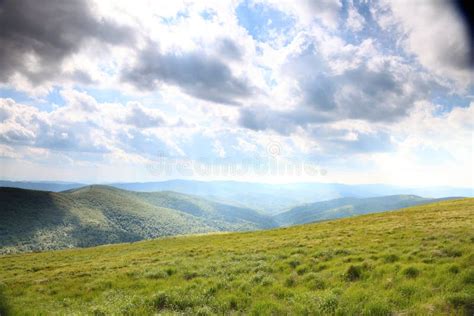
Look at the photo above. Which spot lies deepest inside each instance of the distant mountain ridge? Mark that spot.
(33, 220)
(94, 215)
(269, 198)
(346, 207)
(53, 186)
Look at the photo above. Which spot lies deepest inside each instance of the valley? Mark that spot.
(32, 220)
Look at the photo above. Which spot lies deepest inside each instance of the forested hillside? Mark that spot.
(95, 215)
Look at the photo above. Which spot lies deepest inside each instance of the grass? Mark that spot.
(417, 261)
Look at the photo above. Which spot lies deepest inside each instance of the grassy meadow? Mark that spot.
(416, 261)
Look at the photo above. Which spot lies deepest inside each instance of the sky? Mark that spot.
(254, 90)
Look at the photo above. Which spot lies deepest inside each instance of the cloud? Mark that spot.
(376, 88)
(27, 126)
(434, 33)
(141, 117)
(196, 73)
(83, 125)
(229, 49)
(320, 78)
(355, 21)
(37, 36)
(331, 138)
(307, 11)
(334, 141)
(142, 143)
(79, 101)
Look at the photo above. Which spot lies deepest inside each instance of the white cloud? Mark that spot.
(308, 11)
(434, 33)
(355, 21)
(312, 91)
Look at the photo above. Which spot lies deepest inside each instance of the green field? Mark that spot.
(416, 261)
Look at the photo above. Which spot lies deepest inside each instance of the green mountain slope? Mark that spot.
(346, 207)
(95, 215)
(207, 209)
(416, 261)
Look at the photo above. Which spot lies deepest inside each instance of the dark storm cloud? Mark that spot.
(196, 73)
(49, 31)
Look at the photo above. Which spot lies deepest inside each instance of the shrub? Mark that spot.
(268, 280)
(411, 272)
(189, 275)
(4, 308)
(320, 267)
(170, 271)
(267, 308)
(204, 311)
(318, 284)
(314, 281)
(328, 304)
(95, 311)
(156, 274)
(294, 263)
(353, 273)
(407, 291)
(258, 277)
(377, 309)
(160, 300)
(462, 301)
(281, 293)
(301, 270)
(231, 302)
(469, 277)
(391, 258)
(453, 253)
(342, 252)
(290, 281)
(324, 255)
(454, 269)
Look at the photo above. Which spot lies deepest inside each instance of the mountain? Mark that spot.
(415, 261)
(54, 186)
(268, 198)
(346, 207)
(95, 215)
(274, 198)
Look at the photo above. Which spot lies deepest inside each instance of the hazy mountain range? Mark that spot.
(268, 198)
(33, 220)
(346, 207)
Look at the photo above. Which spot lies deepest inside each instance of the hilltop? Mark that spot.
(415, 261)
(346, 207)
(95, 215)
